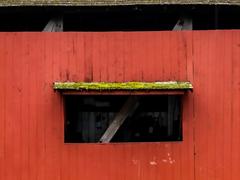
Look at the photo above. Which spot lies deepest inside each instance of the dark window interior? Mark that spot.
(120, 18)
(157, 118)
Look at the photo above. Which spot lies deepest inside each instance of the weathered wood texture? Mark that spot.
(32, 114)
(110, 2)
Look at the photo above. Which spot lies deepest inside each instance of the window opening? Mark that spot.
(154, 118)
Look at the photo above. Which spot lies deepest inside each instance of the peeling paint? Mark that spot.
(153, 163)
(164, 160)
(169, 159)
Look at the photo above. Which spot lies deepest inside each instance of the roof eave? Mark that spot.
(11, 3)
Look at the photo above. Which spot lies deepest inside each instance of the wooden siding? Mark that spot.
(217, 104)
(112, 2)
(31, 112)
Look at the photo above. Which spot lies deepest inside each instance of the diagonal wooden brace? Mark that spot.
(54, 25)
(128, 108)
(184, 23)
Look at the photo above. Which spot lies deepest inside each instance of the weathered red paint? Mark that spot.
(31, 113)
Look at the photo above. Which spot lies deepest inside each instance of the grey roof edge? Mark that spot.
(10, 3)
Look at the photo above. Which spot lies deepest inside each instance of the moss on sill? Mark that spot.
(102, 86)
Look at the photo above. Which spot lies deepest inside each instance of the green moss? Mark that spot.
(100, 86)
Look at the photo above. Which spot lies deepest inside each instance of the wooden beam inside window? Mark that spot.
(128, 108)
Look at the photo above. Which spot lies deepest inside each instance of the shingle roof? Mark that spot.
(110, 2)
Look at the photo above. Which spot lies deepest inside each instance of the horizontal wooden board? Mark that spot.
(111, 2)
(162, 92)
(122, 86)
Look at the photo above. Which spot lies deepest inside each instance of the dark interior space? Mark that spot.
(120, 18)
(157, 118)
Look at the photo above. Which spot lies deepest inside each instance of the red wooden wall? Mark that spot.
(31, 113)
